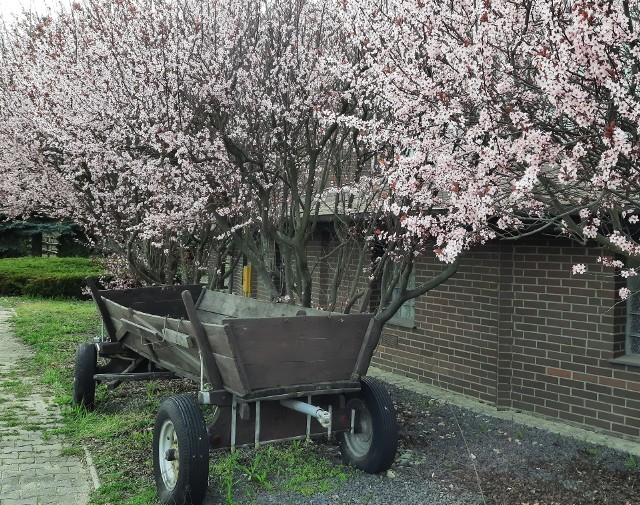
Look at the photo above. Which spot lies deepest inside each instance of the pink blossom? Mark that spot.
(578, 269)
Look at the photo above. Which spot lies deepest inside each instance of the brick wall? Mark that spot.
(565, 329)
(454, 342)
(515, 328)
(335, 269)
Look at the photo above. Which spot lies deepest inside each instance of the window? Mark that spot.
(633, 316)
(406, 313)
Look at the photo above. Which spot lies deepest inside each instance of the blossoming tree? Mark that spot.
(173, 129)
(521, 111)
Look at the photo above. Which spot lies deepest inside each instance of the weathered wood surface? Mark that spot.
(278, 352)
(182, 361)
(178, 338)
(156, 300)
(135, 376)
(253, 345)
(143, 333)
(217, 304)
(198, 332)
(231, 377)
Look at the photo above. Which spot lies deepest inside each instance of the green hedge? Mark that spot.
(46, 277)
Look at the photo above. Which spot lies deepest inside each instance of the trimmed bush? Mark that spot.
(46, 277)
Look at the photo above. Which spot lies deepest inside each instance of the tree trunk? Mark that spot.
(36, 244)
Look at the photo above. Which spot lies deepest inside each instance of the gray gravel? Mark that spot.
(453, 456)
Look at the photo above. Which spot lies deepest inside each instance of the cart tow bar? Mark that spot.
(323, 417)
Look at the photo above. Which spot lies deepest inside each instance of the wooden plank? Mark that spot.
(143, 320)
(143, 331)
(158, 322)
(286, 349)
(167, 308)
(178, 338)
(220, 345)
(122, 330)
(238, 306)
(184, 362)
(140, 376)
(208, 362)
(162, 322)
(210, 317)
(214, 330)
(235, 354)
(272, 375)
(231, 379)
(157, 300)
(298, 338)
(126, 297)
(116, 310)
(104, 312)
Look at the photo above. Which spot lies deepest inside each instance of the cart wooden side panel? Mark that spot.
(156, 300)
(279, 352)
(163, 340)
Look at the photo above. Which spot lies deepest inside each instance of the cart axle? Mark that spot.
(323, 417)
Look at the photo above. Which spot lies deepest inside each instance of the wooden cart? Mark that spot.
(274, 371)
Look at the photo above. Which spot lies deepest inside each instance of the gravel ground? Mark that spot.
(449, 455)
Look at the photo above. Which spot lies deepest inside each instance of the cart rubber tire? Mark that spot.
(372, 448)
(84, 387)
(180, 432)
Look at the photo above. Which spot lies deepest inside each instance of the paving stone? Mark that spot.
(32, 469)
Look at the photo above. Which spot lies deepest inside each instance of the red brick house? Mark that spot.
(514, 328)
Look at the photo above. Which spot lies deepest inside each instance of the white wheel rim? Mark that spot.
(168, 442)
(359, 443)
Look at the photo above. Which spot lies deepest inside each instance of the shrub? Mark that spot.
(46, 277)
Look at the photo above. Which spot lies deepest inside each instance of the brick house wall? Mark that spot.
(513, 328)
(516, 329)
(453, 343)
(326, 264)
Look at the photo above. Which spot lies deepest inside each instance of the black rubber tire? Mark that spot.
(84, 387)
(187, 482)
(372, 448)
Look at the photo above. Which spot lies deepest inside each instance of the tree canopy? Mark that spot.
(180, 131)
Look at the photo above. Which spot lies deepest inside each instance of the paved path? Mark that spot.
(32, 469)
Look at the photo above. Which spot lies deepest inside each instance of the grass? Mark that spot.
(296, 468)
(632, 462)
(520, 433)
(118, 440)
(119, 431)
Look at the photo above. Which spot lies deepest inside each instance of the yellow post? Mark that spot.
(246, 280)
